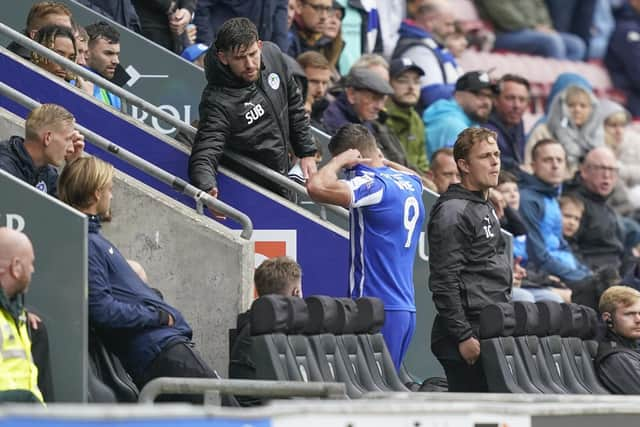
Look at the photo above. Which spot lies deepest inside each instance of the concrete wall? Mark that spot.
(10, 124)
(202, 268)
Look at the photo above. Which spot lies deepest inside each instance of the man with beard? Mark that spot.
(252, 106)
(103, 58)
(151, 338)
(470, 106)
(402, 118)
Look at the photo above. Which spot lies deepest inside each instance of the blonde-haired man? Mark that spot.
(151, 338)
(618, 360)
(50, 140)
(469, 261)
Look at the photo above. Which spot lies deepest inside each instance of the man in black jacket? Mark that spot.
(468, 260)
(50, 140)
(618, 359)
(252, 106)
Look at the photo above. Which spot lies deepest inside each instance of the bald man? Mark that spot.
(599, 238)
(19, 379)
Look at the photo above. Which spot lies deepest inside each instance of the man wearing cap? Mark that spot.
(361, 102)
(470, 106)
(402, 118)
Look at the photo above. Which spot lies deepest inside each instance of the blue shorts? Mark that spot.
(397, 332)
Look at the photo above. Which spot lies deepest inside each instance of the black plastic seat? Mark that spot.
(503, 365)
(370, 320)
(526, 333)
(557, 357)
(109, 370)
(321, 330)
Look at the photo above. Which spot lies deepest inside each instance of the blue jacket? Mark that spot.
(511, 141)
(623, 57)
(412, 36)
(130, 316)
(340, 113)
(443, 121)
(15, 160)
(547, 249)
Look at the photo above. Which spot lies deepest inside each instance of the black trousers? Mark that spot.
(464, 378)
(177, 360)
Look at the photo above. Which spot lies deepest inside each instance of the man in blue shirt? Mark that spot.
(385, 203)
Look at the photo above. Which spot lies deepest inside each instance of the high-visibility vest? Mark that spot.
(17, 370)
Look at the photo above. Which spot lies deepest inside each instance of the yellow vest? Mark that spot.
(17, 371)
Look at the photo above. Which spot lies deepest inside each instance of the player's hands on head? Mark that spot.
(350, 158)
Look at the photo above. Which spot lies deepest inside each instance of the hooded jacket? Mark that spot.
(130, 317)
(577, 141)
(547, 249)
(15, 160)
(444, 120)
(468, 261)
(599, 235)
(257, 119)
(618, 364)
(623, 56)
(440, 66)
(407, 125)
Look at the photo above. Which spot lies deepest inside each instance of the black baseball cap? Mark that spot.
(475, 81)
(364, 78)
(400, 65)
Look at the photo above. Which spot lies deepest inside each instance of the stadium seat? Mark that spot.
(503, 366)
(322, 328)
(556, 356)
(370, 320)
(527, 334)
(109, 370)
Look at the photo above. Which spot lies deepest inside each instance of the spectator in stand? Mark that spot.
(573, 17)
(251, 105)
(120, 11)
(601, 30)
(103, 58)
(19, 373)
(151, 338)
(572, 209)
(624, 145)
(456, 41)
(421, 39)
(463, 218)
(548, 251)
(470, 106)
(333, 31)
(361, 102)
(573, 121)
(42, 14)
(269, 16)
(623, 56)
(318, 72)
(618, 360)
(402, 118)
(509, 106)
(598, 240)
(525, 26)
(385, 201)
(528, 284)
(307, 31)
(82, 44)
(165, 21)
(61, 41)
(443, 171)
(50, 140)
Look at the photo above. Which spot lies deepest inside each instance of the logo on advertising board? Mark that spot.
(274, 243)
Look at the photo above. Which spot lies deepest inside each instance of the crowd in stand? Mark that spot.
(403, 116)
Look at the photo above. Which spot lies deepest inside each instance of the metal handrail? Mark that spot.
(147, 106)
(175, 182)
(260, 388)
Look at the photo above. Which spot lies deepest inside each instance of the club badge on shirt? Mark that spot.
(274, 81)
(42, 186)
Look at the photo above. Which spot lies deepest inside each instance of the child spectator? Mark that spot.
(572, 209)
(573, 121)
(456, 42)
